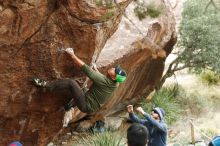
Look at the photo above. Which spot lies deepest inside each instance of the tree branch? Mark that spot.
(213, 3)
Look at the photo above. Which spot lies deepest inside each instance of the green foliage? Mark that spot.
(210, 132)
(165, 98)
(105, 3)
(209, 77)
(99, 3)
(142, 10)
(107, 16)
(199, 36)
(103, 139)
(154, 10)
(110, 11)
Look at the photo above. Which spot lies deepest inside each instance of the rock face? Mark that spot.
(32, 35)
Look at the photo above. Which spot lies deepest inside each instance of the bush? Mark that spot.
(103, 139)
(142, 10)
(154, 11)
(99, 3)
(105, 3)
(107, 16)
(165, 98)
(209, 77)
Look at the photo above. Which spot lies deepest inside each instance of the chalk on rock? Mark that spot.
(68, 116)
(50, 144)
(64, 142)
(68, 133)
(60, 49)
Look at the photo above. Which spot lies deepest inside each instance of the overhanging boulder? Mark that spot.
(32, 35)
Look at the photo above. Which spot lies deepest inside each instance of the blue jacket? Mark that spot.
(157, 130)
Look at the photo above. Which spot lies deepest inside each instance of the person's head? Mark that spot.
(117, 74)
(158, 113)
(15, 143)
(137, 135)
(215, 141)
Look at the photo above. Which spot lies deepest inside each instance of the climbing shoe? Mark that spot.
(39, 82)
(68, 106)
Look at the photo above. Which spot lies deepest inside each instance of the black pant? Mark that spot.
(76, 92)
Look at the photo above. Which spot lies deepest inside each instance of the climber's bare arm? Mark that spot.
(75, 59)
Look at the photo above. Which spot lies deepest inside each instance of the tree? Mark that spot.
(199, 41)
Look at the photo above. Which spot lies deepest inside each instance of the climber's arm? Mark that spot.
(94, 75)
(75, 59)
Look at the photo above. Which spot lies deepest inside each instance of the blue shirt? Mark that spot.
(157, 129)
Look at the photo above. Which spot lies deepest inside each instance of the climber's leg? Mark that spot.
(66, 84)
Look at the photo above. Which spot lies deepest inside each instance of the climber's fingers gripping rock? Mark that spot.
(70, 51)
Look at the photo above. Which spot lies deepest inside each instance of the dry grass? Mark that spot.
(201, 104)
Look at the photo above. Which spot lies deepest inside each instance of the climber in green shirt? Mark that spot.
(101, 89)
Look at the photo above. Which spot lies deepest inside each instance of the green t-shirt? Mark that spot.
(101, 89)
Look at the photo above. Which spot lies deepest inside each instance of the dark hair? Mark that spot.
(137, 135)
(210, 144)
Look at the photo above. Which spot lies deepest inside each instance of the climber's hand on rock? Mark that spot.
(95, 67)
(75, 59)
(70, 51)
